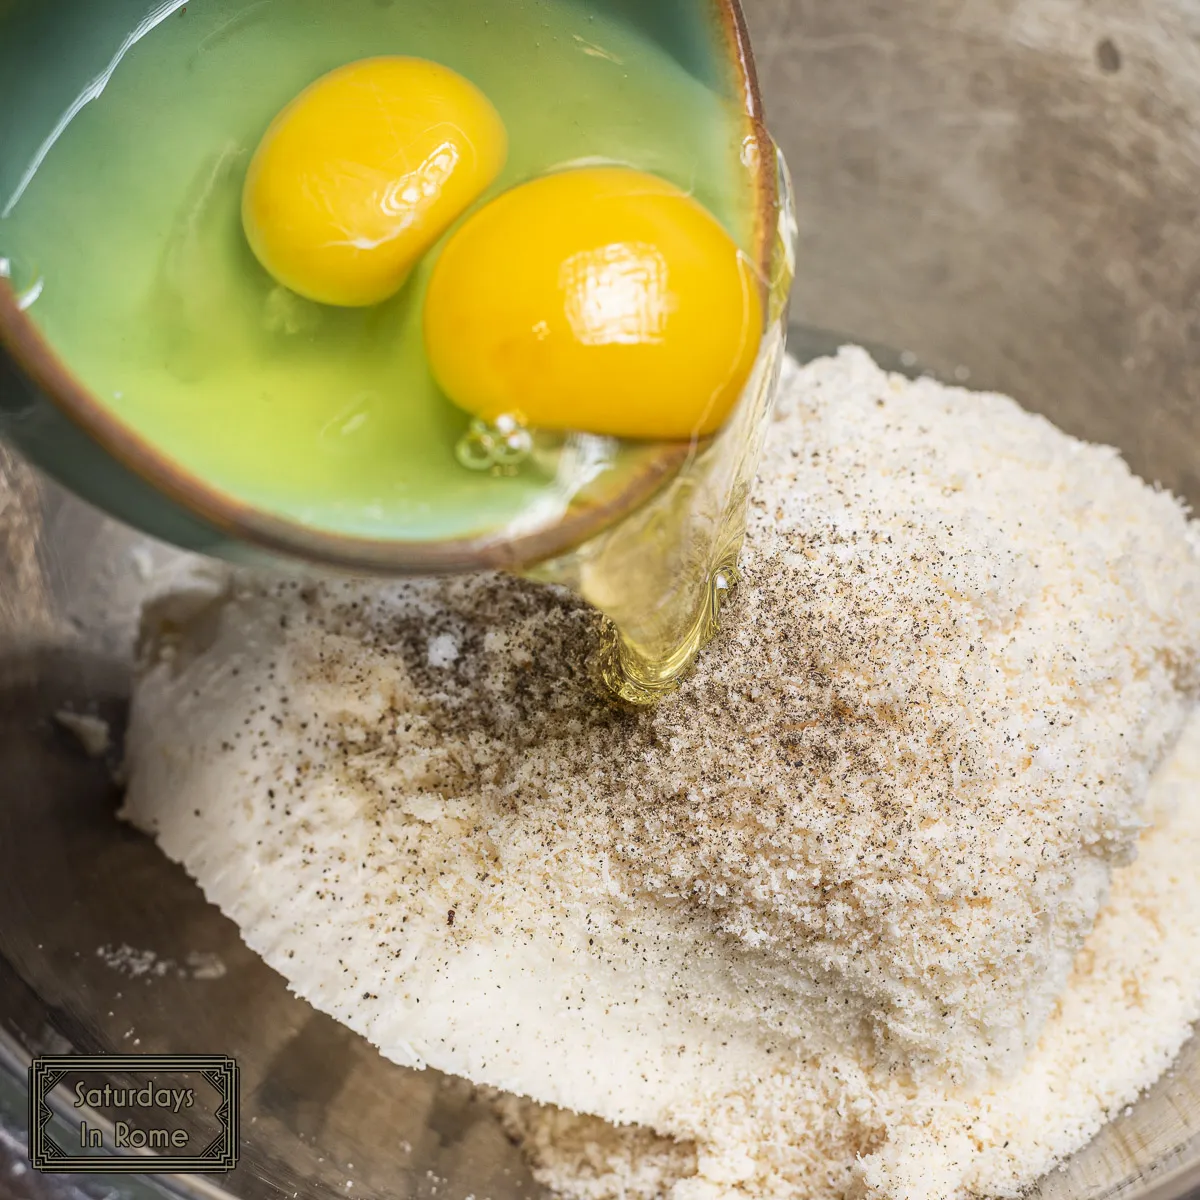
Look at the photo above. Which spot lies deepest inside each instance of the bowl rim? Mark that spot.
(34, 357)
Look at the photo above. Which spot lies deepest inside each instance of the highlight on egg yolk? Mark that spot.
(363, 171)
(599, 299)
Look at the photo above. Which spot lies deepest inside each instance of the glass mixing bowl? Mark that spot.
(1008, 189)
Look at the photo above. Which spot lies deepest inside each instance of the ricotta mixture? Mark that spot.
(92, 733)
(855, 912)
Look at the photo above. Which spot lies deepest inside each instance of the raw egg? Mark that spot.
(363, 171)
(599, 299)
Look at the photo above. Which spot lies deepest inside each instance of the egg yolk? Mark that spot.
(599, 299)
(363, 171)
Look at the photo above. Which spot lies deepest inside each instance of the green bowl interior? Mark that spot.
(149, 323)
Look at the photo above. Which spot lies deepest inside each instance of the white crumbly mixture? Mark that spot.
(814, 924)
(92, 733)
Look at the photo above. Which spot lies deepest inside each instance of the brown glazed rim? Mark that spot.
(22, 340)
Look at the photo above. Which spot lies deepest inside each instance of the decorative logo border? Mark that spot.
(221, 1154)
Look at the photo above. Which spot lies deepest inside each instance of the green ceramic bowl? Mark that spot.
(64, 428)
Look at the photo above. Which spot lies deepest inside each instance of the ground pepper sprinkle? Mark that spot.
(853, 913)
